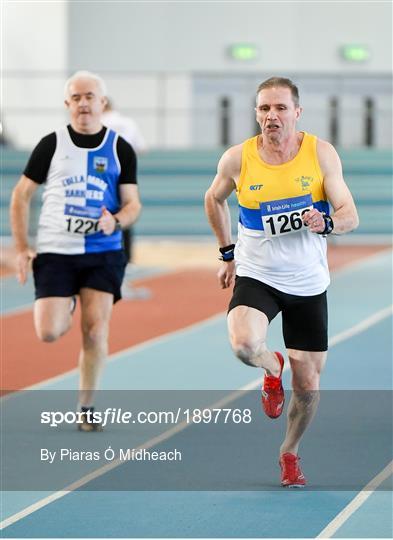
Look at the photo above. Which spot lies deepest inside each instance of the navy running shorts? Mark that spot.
(64, 275)
(304, 318)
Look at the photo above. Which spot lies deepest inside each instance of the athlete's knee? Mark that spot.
(306, 370)
(246, 350)
(95, 334)
(307, 382)
(47, 335)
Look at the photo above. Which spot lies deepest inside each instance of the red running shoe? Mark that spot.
(291, 474)
(273, 393)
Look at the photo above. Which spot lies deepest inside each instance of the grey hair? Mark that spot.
(85, 75)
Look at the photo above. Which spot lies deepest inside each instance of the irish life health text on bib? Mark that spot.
(284, 216)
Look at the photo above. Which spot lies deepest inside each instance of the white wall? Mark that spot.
(191, 39)
(193, 36)
(160, 104)
(34, 37)
(316, 92)
(154, 56)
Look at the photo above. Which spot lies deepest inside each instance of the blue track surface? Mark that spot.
(199, 358)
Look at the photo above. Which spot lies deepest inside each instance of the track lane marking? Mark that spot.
(45, 375)
(338, 338)
(342, 336)
(356, 503)
(115, 356)
(132, 323)
(138, 280)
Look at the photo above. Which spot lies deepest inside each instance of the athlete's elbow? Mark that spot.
(138, 208)
(135, 211)
(356, 221)
(346, 222)
(212, 201)
(209, 200)
(209, 196)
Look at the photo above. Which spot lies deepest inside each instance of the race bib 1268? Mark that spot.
(284, 216)
(81, 220)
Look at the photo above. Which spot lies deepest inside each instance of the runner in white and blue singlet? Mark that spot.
(90, 194)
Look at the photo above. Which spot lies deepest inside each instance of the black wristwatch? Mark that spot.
(329, 224)
(117, 225)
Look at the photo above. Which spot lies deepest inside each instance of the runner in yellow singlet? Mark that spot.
(284, 180)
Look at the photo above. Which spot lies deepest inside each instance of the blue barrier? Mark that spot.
(173, 183)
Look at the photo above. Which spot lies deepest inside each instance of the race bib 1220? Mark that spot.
(81, 220)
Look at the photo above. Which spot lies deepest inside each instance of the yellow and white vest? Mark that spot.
(273, 244)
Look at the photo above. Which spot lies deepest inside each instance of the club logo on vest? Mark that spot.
(256, 187)
(305, 182)
(100, 164)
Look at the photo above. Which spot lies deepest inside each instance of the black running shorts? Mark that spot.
(65, 275)
(304, 318)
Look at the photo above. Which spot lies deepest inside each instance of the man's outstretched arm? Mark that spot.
(217, 210)
(19, 213)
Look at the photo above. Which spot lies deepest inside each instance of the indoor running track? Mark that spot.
(182, 345)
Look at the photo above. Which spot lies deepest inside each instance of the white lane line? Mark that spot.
(164, 337)
(356, 503)
(373, 258)
(130, 350)
(137, 280)
(357, 329)
(350, 266)
(114, 464)
(338, 338)
(375, 318)
(363, 325)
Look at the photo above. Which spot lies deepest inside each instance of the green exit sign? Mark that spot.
(355, 53)
(243, 51)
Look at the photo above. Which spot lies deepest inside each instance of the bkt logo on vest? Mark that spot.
(256, 187)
